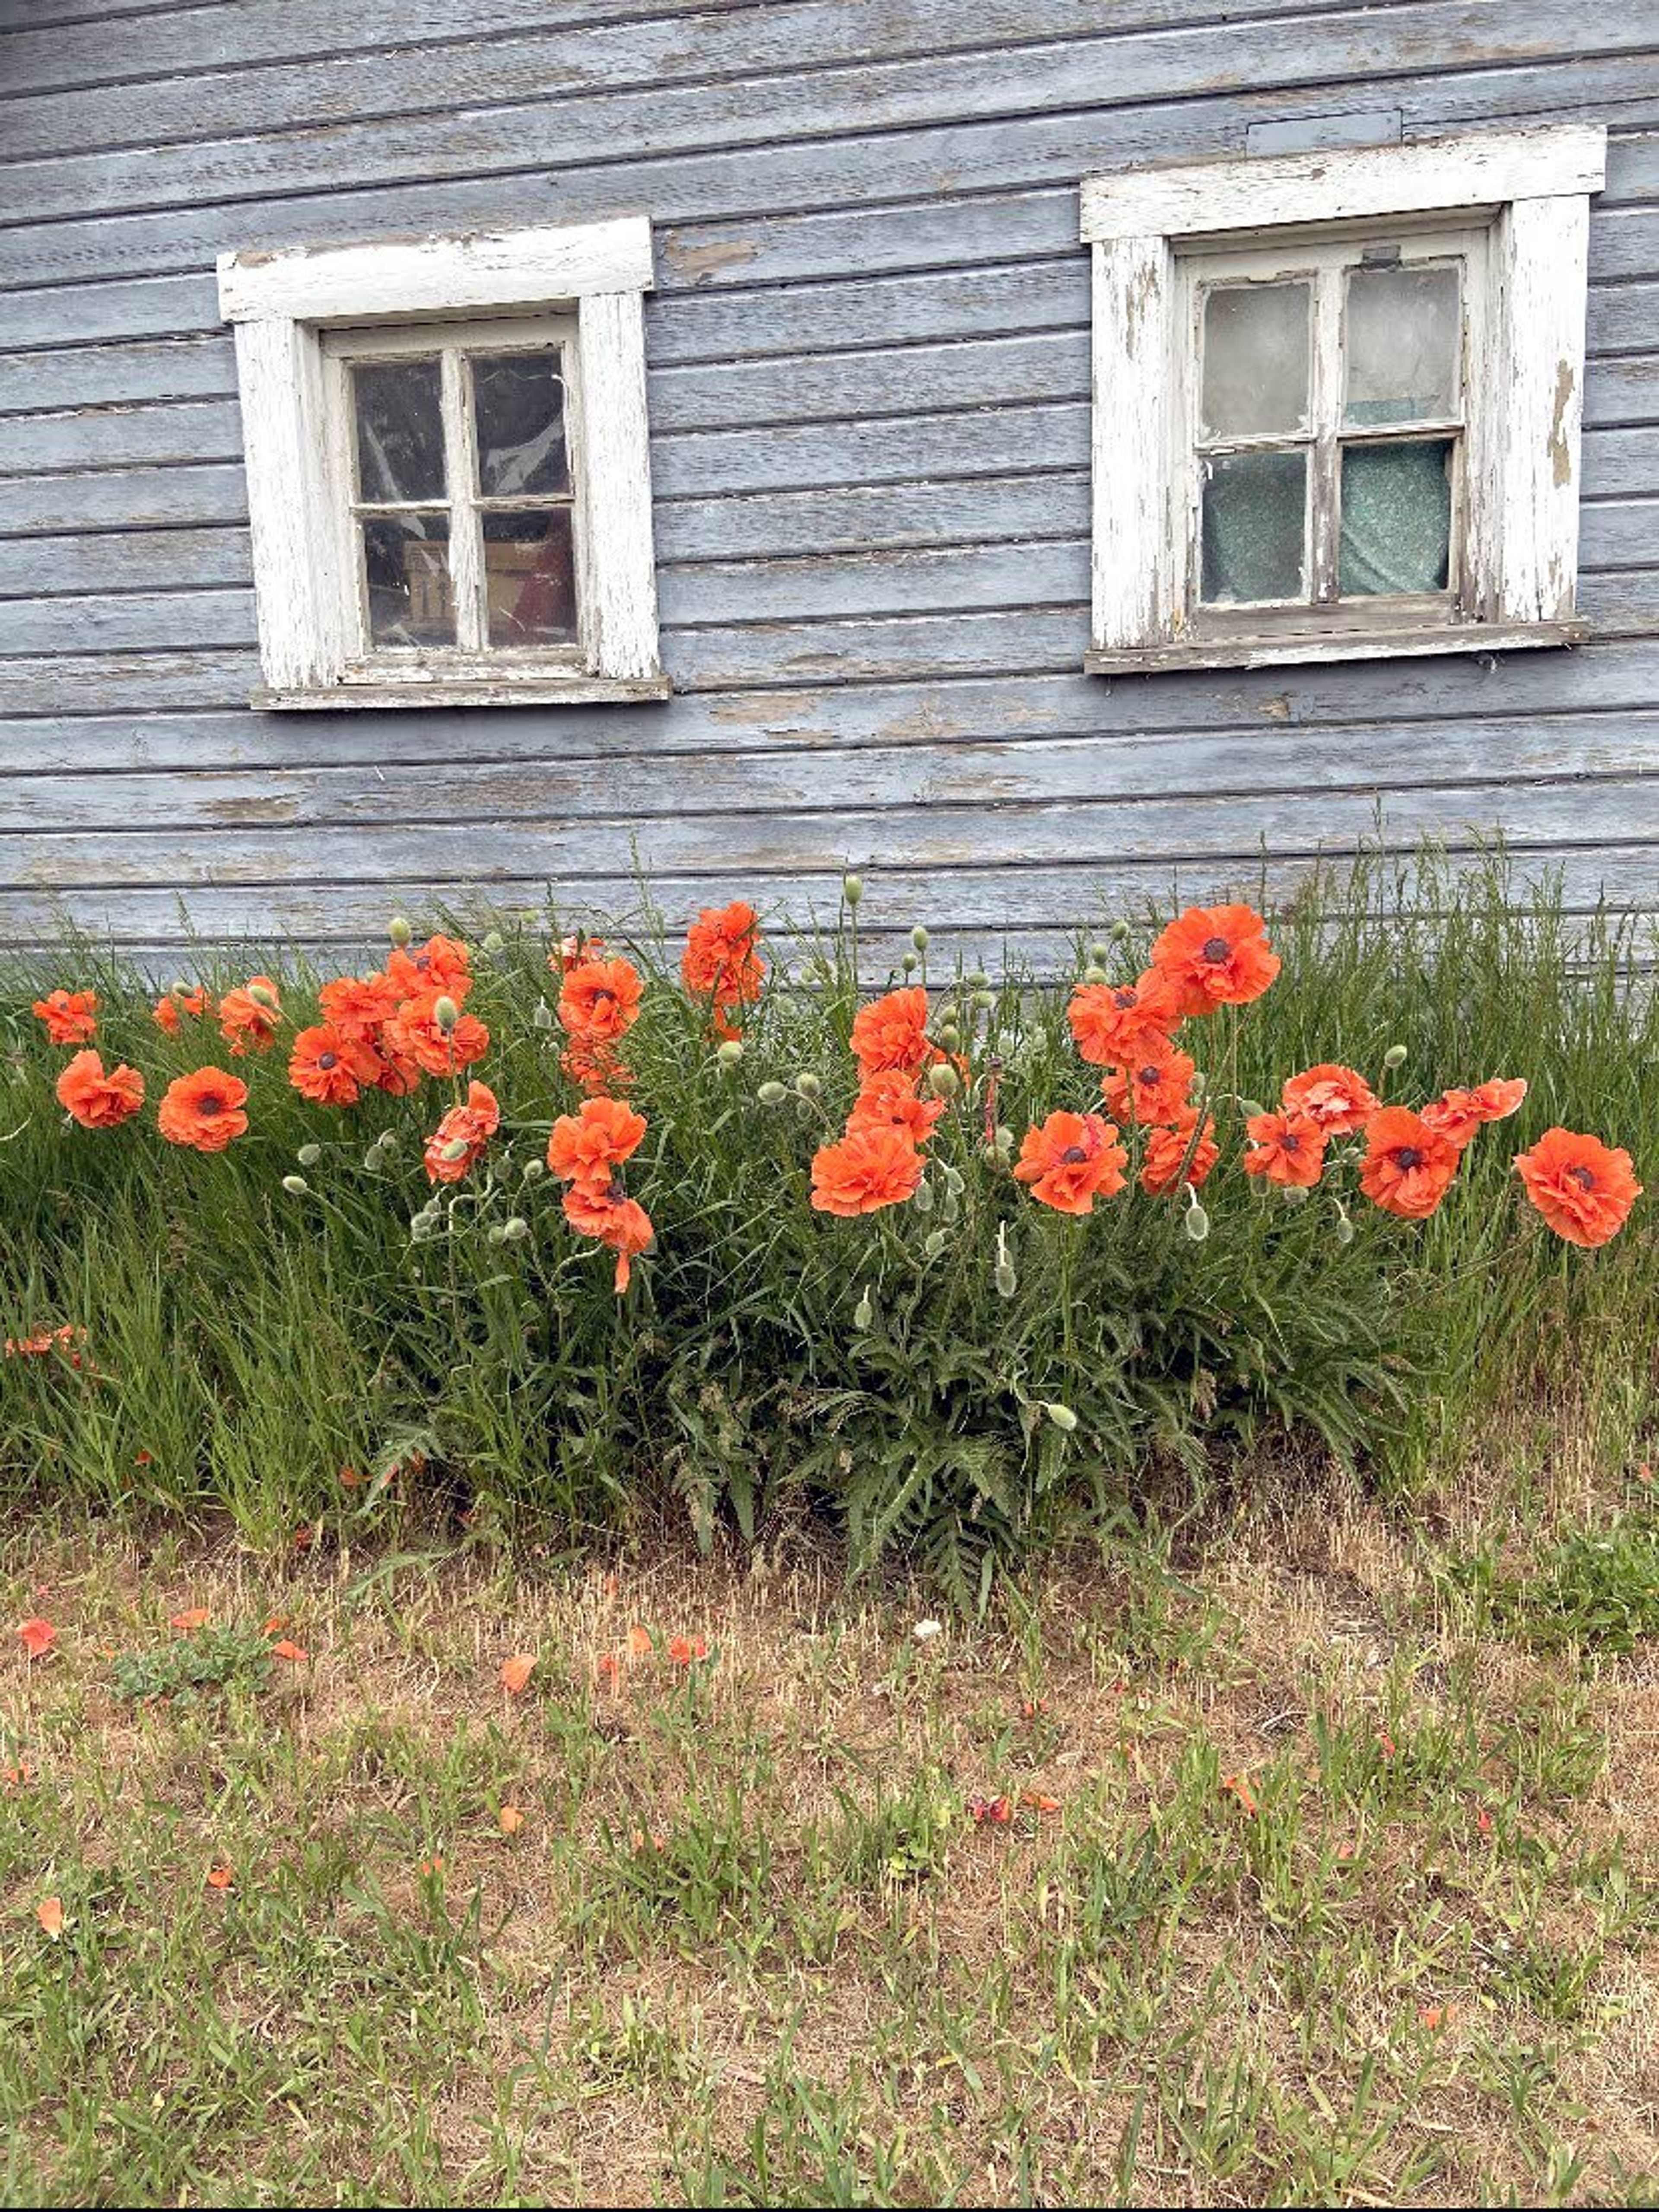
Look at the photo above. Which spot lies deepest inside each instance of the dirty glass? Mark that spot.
(1256, 360)
(530, 577)
(1255, 531)
(400, 429)
(1403, 338)
(412, 600)
(517, 413)
(1396, 517)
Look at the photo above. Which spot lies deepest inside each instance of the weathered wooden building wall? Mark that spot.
(869, 388)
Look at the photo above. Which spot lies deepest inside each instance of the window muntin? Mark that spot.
(1324, 435)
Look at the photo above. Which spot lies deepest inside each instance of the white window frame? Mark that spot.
(586, 282)
(1516, 561)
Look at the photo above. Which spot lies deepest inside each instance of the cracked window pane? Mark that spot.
(1396, 517)
(518, 411)
(1254, 528)
(1256, 360)
(400, 429)
(1403, 339)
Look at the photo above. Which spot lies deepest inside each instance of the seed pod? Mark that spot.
(295, 1186)
(446, 1013)
(1062, 1417)
(1198, 1224)
(808, 1086)
(919, 939)
(730, 1053)
(308, 1155)
(943, 1081)
(1394, 1056)
(851, 888)
(933, 1243)
(398, 930)
(864, 1312)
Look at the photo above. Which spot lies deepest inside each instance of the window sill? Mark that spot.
(1265, 652)
(548, 691)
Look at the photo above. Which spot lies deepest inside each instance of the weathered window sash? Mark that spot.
(295, 432)
(1517, 516)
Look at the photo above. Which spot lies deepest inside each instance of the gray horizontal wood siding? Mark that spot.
(869, 383)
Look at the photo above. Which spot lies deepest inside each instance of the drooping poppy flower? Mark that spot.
(614, 1219)
(358, 1005)
(471, 1124)
(1583, 1188)
(1166, 1152)
(891, 1101)
(70, 1017)
(442, 966)
(1216, 956)
(1408, 1167)
(1289, 1149)
(96, 1100)
(250, 1015)
(869, 1169)
(46, 1341)
(179, 1001)
(891, 1033)
(721, 961)
(1151, 1088)
(586, 1148)
(1339, 1098)
(204, 1110)
(599, 1000)
(1071, 1159)
(1114, 1024)
(1459, 1113)
(330, 1068)
(414, 1033)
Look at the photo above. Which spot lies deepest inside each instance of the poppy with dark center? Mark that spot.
(204, 1110)
(330, 1067)
(1409, 1166)
(1289, 1149)
(1071, 1159)
(1583, 1188)
(1215, 956)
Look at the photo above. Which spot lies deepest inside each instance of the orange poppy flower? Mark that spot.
(721, 961)
(517, 1671)
(397, 1073)
(1339, 1098)
(570, 952)
(510, 1818)
(245, 1020)
(891, 1033)
(1583, 1188)
(1071, 1160)
(221, 1877)
(1216, 956)
(168, 1008)
(96, 1100)
(1114, 1024)
(50, 1914)
(37, 1636)
(1459, 1113)
(70, 1017)
(597, 1069)
(685, 1651)
(1166, 1152)
(329, 1067)
(586, 1148)
(1152, 1088)
(473, 1124)
(204, 1110)
(357, 1005)
(869, 1169)
(615, 1220)
(1408, 1167)
(599, 1000)
(415, 1034)
(440, 966)
(890, 1100)
(1289, 1149)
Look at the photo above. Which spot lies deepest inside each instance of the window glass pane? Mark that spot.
(1403, 339)
(1396, 517)
(517, 408)
(411, 600)
(530, 577)
(1254, 528)
(1255, 359)
(400, 429)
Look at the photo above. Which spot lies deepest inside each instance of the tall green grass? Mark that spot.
(243, 1344)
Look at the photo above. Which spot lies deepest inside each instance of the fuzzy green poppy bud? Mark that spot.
(949, 1035)
(423, 1226)
(1344, 1230)
(730, 1053)
(1199, 1087)
(983, 1002)
(1062, 1417)
(1118, 932)
(295, 1186)
(494, 940)
(543, 1017)
(808, 1086)
(534, 1169)
(923, 1201)
(978, 980)
(386, 1141)
(1100, 954)
(864, 1312)
(1004, 1137)
(398, 930)
(955, 1182)
(497, 1234)
(1394, 1056)
(456, 1149)
(372, 1160)
(933, 1244)
(514, 1230)
(851, 890)
(919, 939)
(1198, 1224)
(943, 1081)
(263, 995)
(908, 963)
(771, 1094)
(1007, 1281)
(1096, 976)
(1250, 1108)
(308, 1155)
(446, 1013)
(1294, 1193)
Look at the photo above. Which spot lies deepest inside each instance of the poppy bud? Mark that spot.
(1062, 1417)
(1343, 1232)
(398, 930)
(386, 1141)
(949, 1035)
(1199, 1087)
(954, 1181)
(1118, 932)
(456, 1149)
(178, 988)
(771, 1094)
(863, 1313)
(1198, 1224)
(497, 1234)
(1004, 1137)
(1294, 1193)
(730, 1053)
(908, 963)
(1394, 1056)
(372, 1159)
(943, 1081)
(933, 1244)
(516, 1231)
(1007, 1281)
(978, 980)
(1096, 976)
(446, 1013)
(1251, 1106)
(494, 941)
(852, 889)
(1100, 954)
(807, 1086)
(308, 1155)
(263, 995)
(534, 1169)
(919, 939)
(422, 1226)
(295, 1186)
(984, 1001)
(923, 1201)
(543, 1017)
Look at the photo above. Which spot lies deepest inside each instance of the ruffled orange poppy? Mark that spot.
(245, 1020)
(171, 1004)
(721, 960)
(473, 1124)
(1152, 1088)
(891, 1033)
(1167, 1150)
(614, 1219)
(96, 1100)
(597, 1069)
(1459, 1113)
(1408, 1167)
(358, 1005)
(1216, 956)
(1114, 1024)
(891, 1101)
(441, 966)
(1339, 1098)
(1583, 1188)
(1071, 1160)
(571, 951)
(586, 1148)
(414, 1033)
(329, 1067)
(204, 1110)
(70, 1017)
(869, 1169)
(599, 1000)
(1289, 1149)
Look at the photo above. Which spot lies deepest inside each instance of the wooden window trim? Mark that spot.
(1530, 191)
(283, 306)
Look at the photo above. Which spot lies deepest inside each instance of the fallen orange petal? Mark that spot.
(1039, 1801)
(37, 1636)
(50, 1914)
(639, 1642)
(287, 1650)
(220, 1877)
(15, 1775)
(194, 1616)
(511, 1819)
(515, 1672)
(1434, 2017)
(1238, 1785)
(275, 1625)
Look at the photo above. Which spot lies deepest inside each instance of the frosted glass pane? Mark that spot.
(1254, 528)
(1396, 517)
(400, 429)
(530, 577)
(1403, 342)
(518, 407)
(1256, 360)
(406, 566)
